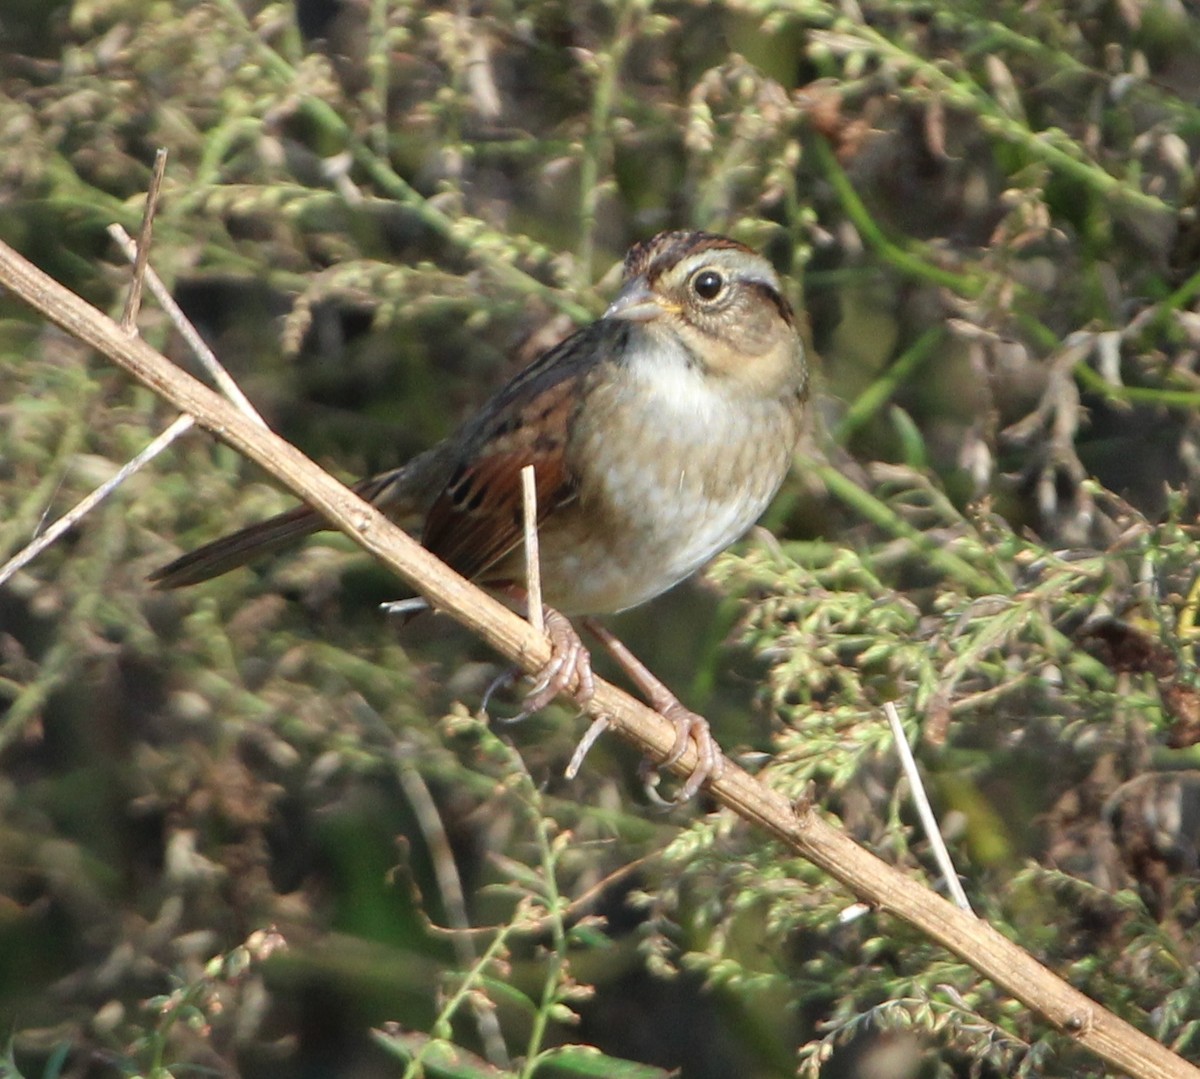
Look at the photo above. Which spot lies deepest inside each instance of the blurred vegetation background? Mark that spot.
(244, 828)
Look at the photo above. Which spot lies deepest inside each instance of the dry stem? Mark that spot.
(925, 811)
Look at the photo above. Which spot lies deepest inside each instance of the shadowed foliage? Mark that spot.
(245, 828)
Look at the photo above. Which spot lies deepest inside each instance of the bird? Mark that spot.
(658, 434)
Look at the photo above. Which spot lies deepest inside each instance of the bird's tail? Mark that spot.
(254, 541)
(238, 548)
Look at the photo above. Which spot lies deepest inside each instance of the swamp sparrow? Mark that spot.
(657, 434)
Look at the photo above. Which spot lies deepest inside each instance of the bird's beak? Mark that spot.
(636, 302)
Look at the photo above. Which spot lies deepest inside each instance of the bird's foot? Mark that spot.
(569, 669)
(689, 726)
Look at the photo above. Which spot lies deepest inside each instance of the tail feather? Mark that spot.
(238, 548)
(404, 494)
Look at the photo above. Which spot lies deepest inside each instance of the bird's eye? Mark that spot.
(707, 284)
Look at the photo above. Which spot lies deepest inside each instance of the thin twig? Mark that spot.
(584, 904)
(138, 255)
(596, 728)
(31, 550)
(186, 330)
(925, 810)
(454, 900)
(800, 828)
(129, 324)
(533, 568)
(134, 300)
(403, 608)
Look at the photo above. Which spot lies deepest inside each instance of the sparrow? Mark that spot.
(658, 434)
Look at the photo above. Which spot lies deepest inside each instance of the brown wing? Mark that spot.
(478, 519)
(468, 487)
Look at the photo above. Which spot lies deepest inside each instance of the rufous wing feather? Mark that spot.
(479, 518)
(467, 488)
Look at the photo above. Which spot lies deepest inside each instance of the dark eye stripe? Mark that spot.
(768, 293)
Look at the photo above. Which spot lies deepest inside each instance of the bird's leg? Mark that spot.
(710, 763)
(569, 668)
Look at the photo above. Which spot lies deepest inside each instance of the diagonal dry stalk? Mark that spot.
(799, 827)
(138, 254)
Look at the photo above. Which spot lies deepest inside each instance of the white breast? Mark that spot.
(692, 472)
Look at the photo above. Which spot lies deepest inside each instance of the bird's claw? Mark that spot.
(691, 727)
(569, 669)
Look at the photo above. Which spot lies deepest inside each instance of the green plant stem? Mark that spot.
(468, 985)
(1178, 300)
(556, 961)
(998, 35)
(875, 396)
(220, 141)
(880, 514)
(913, 265)
(972, 285)
(471, 234)
(608, 62)
(1167, 398)
(378, 70)
(1054, 147)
